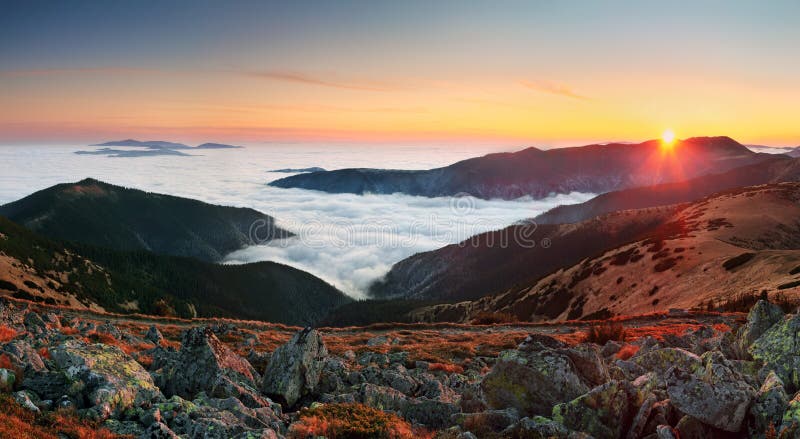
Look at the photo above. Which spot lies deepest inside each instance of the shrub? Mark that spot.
(351, 421)
(491, 318)
(446, 367)
(627, 351)
(20, 423)
(604, 332)
(6, 333)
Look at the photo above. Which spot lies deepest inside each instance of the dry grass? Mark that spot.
(7, 333)
(605, 332)
(19, 423)
(352, 421)
(627, 351)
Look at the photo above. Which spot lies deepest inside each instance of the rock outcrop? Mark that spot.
(294, 369)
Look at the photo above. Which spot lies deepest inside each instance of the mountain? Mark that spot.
(519, 254)
(743, 241)
(473, 268)
(794, 152)
(105, 215)
(216, 146)
(298, 170)
(155, 144)
(37, 268)
(538, 174)
(111, 152)
(778, 168)
(160, 144)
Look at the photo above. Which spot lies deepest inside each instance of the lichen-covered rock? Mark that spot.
(662, 360)
(588, 363)
(779, 349)
(768, 407)
(294, 368)
(26, 400)
(205, 364)
(429, 412)
(691, 428)
(153, 335)
(158, 430)
(760, 318)
(712, 393)
(532, 381)
(108, 380)
(489, 421)
(606, 411)
(790, 422)
(539, 427)
(22, 354)
(639, 422)
(7, 380)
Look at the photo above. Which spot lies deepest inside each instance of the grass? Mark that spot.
(19, 423)
(7, 333)
(352, 421)
(605, 332)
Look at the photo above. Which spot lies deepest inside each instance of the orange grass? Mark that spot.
(7, 333)
(352, 421)
(19, 423)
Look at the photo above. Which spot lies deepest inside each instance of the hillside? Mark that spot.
(776, 169)
(739, 242)
(495, 261)
(539, 174)
(104, 215)
(77, 275)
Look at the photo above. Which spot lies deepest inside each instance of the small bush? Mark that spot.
(604, 332)
(7, 333)
(627, 351)
(446, 367)
(351, 421)
(492, 318)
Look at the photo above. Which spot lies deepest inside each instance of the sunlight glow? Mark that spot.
(668, 137)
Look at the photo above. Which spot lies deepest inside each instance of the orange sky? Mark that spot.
(468, 75)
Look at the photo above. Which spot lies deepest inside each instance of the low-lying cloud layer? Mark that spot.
(348, 240)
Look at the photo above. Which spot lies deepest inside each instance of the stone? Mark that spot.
(532, 382)
(662, 360)
(294, 369)
(26, 400)
(158, 430)
(713, 393)
(205, 364)
(537, 427)
(768, 407)
(639, 422)
(605, 411)
(7, 380)
(760, 318)
(779, 349)
(588, 363)
(108, 380)
(154, 336)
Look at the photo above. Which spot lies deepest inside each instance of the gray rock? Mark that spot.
(606, 411)
(7, 380)
(760, 318)
(205, 364)
(768, 407)
(26, 400)
(108, 380)
(294, 368)
(158, 430)
(712, 392)
(153, 335)
(779, 349)
(532, 381)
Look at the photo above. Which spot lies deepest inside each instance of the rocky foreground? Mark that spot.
(695, 380)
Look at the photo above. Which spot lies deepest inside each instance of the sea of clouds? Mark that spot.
(347, 240)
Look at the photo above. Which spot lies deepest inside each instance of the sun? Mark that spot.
(668, 137)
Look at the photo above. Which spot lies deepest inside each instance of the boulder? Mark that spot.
(532, 381)
(768, 407)
(294, 368)
(432, 413)
(205, 364)
(664, 359)
(538, 427)
(107, 380)
(713, 393)
(760, 318)
(588, 363)
(606, 411)
(154, 336)
(7, 380)
(779, 349)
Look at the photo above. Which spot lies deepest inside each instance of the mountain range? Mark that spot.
(540, 173)
(100, 214)
(742, 241)
(41, 269)
(160, 144)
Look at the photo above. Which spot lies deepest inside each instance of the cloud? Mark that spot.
(333, 82)
(553, 88)
(79, 71)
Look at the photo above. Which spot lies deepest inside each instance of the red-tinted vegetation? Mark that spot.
(352, 421)
(604, 332)
(7, 333)
(19, 423)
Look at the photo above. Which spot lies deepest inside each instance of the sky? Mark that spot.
(518, 73)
